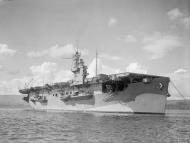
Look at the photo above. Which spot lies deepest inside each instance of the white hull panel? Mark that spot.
(38, 105)
(145, 103)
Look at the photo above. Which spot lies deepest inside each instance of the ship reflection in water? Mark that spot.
(37, 126)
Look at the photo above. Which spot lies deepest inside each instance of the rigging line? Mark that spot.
(185, 101)
(177, 90)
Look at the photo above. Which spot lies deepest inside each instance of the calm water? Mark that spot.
(26, 125)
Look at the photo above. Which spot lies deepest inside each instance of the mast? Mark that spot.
(77, 45)
(96, 63)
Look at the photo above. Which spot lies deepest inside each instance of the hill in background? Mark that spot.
(178, 104)
(12, 101)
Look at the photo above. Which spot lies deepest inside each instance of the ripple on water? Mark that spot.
(33, 126)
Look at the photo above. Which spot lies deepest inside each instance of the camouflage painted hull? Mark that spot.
(136, 98)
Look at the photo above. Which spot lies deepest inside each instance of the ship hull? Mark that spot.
(119, 103)
(144, 103)
(136, 97)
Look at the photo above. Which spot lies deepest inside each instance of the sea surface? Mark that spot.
(20, 123)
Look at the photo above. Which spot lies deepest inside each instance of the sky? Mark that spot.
(147, 36)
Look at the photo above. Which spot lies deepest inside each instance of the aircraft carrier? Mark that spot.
(118, 93)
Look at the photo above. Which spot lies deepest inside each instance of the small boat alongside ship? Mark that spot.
(119, 93)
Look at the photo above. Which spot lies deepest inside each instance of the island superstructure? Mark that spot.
(119, 93)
